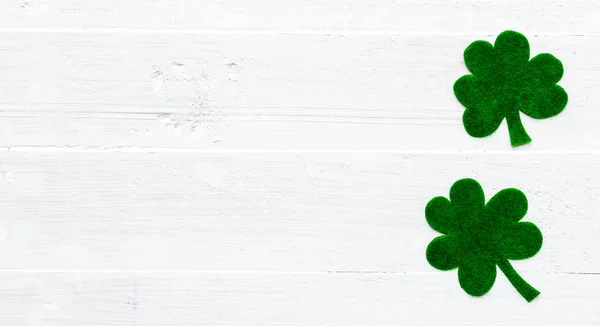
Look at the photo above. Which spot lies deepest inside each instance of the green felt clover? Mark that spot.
(479, 236)
(503, 82)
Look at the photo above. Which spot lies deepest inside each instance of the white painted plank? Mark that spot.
(157, 299)
(274, 211)
(267, 91)
(470, 16)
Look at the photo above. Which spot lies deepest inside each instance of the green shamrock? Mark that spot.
(479, 236)
(504, 82)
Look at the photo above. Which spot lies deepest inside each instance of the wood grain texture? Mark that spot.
(156, 299)
(235, 162)
(434, 16)
(275, 212)
(263, 91)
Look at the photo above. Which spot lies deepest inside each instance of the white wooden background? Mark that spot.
(267, 162)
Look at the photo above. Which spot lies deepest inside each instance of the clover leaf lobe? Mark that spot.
(443, 252)
(508, 204)
(521, 241)
(477, 276)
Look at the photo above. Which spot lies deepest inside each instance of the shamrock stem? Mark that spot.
(527, 291)
(518, 135)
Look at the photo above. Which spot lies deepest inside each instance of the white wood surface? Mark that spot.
(158, 299)
(274, 212)
(432, 16)
(284, 238)
(234, 162)
(263, 91)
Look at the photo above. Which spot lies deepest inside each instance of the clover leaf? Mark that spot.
(503, 82)
(479, 236)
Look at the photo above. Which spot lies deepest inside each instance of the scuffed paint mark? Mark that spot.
(49, 305)
(234, 71)
(199, 89)
(157, 80)
(200, 115)
(133, 302)
(176, 76)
